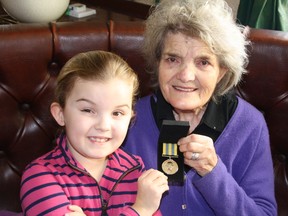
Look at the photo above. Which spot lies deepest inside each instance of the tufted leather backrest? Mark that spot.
(30, 59)
(31, 56)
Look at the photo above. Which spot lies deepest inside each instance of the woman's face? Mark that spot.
(188, 72)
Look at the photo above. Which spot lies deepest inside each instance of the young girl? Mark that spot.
(95, 95)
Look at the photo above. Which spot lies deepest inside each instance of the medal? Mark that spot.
(170, 150)
(170, 167)
(170, 159)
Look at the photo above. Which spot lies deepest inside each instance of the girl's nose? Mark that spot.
(102, 123)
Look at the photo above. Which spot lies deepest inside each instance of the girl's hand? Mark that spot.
(75, 211)
(151, 185)
(199, 153)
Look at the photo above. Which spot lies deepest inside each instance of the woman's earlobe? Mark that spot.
(222, 73)
(57, 113)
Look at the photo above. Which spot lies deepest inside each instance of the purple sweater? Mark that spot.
(242, 183)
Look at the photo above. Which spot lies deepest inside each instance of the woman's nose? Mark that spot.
(187, 73)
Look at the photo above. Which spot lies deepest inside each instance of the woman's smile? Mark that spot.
(184, 89)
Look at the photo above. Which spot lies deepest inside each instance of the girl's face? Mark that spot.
(188, 72)
(96, 117)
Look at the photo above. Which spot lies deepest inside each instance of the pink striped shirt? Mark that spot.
(54, 181)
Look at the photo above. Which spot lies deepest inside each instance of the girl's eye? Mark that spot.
(118, 113)
(87, 110)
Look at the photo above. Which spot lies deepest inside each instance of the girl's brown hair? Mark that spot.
(94, 65)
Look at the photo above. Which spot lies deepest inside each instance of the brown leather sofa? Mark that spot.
(31, 56)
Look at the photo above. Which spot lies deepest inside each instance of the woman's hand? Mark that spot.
(151, 185)
(199, 153)
(75, 211)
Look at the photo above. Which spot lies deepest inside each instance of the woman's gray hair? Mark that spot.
(210, 20)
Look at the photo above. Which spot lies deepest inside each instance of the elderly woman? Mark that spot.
(197, 54)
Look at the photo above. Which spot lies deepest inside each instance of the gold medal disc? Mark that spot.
(170, 167)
